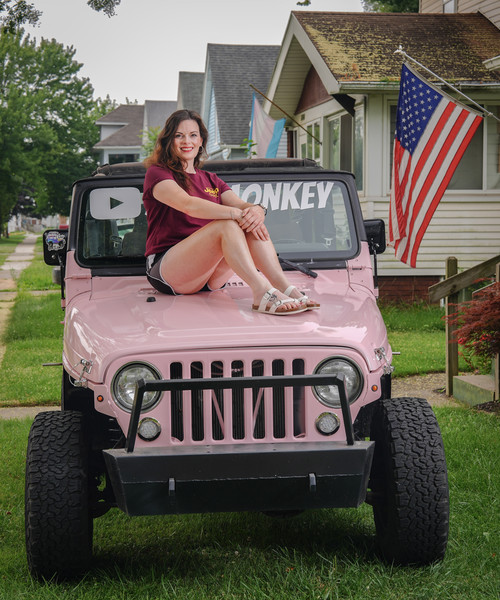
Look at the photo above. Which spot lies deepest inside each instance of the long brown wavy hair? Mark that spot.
(163, 154)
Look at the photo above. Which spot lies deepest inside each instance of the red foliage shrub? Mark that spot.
(478, 323)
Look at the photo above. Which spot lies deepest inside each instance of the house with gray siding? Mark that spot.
(124, 130)
(190, 90)
(338, 75)
(227, 95)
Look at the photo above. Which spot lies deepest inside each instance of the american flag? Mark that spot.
(432, 133)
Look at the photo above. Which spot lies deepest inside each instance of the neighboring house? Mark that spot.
(489, 8)
(120, 134)
(227, 95)
(190, 90)
(338, 75)
(123, 130)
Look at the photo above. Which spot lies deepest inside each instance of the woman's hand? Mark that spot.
(251, 218)
(261, 233)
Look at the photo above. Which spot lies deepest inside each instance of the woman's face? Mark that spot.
(187, 141)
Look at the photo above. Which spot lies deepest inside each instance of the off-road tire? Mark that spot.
(58, 521)
(408, 482)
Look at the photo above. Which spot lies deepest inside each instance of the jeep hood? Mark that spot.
(123, 322)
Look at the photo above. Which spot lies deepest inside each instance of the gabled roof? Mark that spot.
(232, 69)
(190, 90)
(131, 117)
(123, 115)
(360, 46)
(351, 49)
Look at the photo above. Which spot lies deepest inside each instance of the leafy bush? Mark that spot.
(478, 326)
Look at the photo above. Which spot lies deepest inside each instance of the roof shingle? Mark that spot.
(359, 47)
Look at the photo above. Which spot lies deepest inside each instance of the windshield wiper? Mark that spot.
(297, 267)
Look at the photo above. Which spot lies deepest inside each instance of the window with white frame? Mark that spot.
(346, 135)
(311, 144)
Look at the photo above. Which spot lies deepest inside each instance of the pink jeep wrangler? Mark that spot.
(183, 404)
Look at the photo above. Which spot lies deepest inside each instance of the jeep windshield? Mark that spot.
(310, 219)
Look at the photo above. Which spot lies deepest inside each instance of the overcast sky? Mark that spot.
(138, 53)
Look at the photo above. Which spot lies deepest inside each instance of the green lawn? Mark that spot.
(321, 554)
(38, 276)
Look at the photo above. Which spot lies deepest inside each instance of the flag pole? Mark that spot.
(285, 113)
(408, 57)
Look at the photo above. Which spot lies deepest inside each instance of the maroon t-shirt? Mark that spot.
(166, 225)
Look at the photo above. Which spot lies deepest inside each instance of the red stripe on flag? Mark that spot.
(399, 191)
(436, 166)
(442, 188)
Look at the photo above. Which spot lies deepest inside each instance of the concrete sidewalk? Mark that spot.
(24, 412)
(17, 261)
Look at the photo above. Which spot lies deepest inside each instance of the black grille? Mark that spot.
(241, 418)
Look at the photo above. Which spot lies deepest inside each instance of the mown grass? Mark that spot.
(33, 337)
(8, 245)
(322, 554)
(417, 333)
(38, 276)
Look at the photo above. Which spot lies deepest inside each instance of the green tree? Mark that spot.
(399, 6)
(15, 13)
(149, 136)
(47, 123)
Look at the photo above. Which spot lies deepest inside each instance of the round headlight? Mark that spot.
(124, 382)
(329, 394)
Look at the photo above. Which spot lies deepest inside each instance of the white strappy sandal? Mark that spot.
(270, 303)
(305, 300)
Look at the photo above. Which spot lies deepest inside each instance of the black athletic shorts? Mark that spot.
(153, 273)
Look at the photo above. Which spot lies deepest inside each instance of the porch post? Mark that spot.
(451, 347)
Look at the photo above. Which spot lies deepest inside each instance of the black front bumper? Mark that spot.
(240, 477)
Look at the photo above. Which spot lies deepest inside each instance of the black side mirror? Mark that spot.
(375, 234)
(54, 246)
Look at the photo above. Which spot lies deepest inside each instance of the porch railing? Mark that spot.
(449, 289)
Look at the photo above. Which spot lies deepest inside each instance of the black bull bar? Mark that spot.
(230, 477)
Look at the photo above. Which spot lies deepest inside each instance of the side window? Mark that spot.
(112, 225)
(310, 146)
(493, 149)
(347, 144)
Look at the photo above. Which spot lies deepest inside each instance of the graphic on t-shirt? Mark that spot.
(115, 203)
(214, 192)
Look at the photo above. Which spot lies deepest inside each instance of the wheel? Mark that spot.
(58, 520)
(408, 482)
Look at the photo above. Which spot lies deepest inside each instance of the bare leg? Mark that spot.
(266, 260)
(202, 257)
(220, 275)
